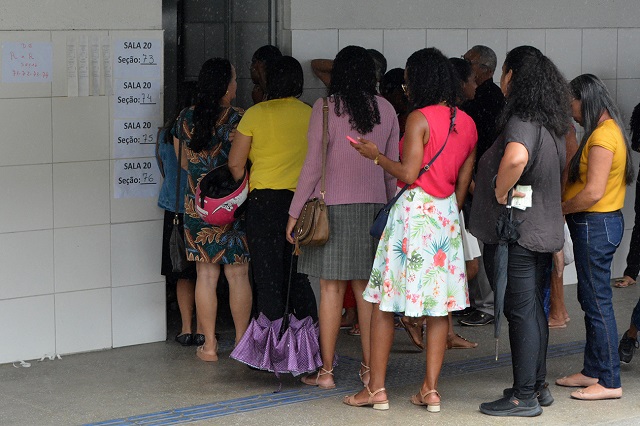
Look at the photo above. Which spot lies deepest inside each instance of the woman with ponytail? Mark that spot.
(530, 151)
(204, 132)
(419, 266)
(598, 175)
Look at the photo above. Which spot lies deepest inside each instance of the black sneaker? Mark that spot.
(476, 318)
(626, 348)
(543, 394)
(512, 407)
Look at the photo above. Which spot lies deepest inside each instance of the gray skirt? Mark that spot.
(349, 252)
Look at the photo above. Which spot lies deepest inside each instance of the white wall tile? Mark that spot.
(83, 321)
(493, 38)
(564, 48)
(81, 193)
(599, 52)
(24, 90)
(24, 142)
(520, 37)
(139, 314)
(369, 39)
(136, 253)
(612, 87)
(28, 328)
(628, 97)
(26, 198)
(400, 44)
(26, 262)
(453, 43)
(82, 258)
(628, 52)
(311, 95)
(313, 44)
(134, 209)
(81, 129)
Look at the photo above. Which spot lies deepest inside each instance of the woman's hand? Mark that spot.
(366, 148)
(291, 223)
(502, 199)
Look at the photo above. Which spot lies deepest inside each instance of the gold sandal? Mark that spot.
(308, 380)
(361, 373)
(418, 399)
(377, 405)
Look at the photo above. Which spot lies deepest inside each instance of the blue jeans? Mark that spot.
(596, 237)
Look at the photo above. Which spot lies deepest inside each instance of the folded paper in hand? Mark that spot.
(523, 202)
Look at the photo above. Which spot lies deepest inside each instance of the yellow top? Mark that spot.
(279, 142)
(608, 136)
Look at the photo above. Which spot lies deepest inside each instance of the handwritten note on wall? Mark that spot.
(27, 62)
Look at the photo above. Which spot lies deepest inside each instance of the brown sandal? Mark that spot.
(377, 405)
(309, 380)
(465, 344)
(418, 399)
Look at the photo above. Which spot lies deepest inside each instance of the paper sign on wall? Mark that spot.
(136, 178)
(135, 137)
(27, 62)
(137, 98)
(137, 59)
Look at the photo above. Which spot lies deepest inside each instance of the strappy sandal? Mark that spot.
(465, 344)
(309, 380)
(361, 373)
(377, 405)
(624, 282)
(418, 399)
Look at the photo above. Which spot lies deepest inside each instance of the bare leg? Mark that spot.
(329, 317)
(558, 315)
(381, 341)
(240, 298)
(472, 266)
(456, 341)
(185, 293)
(207, 308)
(364, 320)
(436, 344)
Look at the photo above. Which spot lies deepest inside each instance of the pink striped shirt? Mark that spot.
(349, 178)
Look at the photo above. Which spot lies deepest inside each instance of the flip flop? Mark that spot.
(623, 283)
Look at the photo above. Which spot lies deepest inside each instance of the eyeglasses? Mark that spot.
(404, 88)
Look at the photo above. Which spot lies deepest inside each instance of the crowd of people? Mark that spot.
(459, 150)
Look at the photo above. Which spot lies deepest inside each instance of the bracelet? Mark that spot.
(376, 160)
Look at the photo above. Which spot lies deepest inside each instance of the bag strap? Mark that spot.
(177, 211)
(428, 165)
(325, 142)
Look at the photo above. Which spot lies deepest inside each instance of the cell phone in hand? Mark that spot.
(352, 140)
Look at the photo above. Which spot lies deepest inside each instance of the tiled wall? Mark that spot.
(611, 53)
(79, 270)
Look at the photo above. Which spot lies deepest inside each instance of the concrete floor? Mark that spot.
(164, 383)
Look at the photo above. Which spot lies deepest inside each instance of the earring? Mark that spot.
(227, 92)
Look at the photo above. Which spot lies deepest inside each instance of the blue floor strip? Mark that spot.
(399, 372)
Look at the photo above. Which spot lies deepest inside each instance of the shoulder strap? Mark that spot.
(177, 211)
(325, 141)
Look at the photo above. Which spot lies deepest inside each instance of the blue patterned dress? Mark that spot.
(208, 243)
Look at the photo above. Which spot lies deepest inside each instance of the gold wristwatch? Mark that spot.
(376, 160)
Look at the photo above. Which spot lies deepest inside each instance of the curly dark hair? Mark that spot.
(594, 100)
(537, 92)
(431, 79)
(284, 78)
(213, 80)
(353, 86)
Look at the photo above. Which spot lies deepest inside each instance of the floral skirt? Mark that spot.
(419, 267)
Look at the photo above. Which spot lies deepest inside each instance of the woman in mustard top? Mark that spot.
(594, 195)
(272, 136)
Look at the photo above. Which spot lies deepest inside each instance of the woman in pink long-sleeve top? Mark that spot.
(355, 190)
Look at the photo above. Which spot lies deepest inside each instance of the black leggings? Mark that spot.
(633, 257)
(523, 307)
(271, 257)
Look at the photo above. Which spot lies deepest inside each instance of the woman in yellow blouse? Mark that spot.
(598, 175)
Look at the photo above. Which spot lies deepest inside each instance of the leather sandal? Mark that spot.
(465, 344)
(364, 369)
(418, 399)
(309, 380)
(377, 405)
(413, 327)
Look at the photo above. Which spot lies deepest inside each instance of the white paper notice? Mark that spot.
(83, 66)
(137, 98)
(27, 62)
(138, 59)
(72, 67)
(135, 137)
(523, 203)
(136, 178)
(96, 75)
(107, 69)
